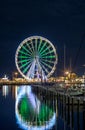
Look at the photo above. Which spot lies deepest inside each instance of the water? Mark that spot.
(24, 107)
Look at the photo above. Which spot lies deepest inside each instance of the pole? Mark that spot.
(64, 57)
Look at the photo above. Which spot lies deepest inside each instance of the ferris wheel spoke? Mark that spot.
(23, 61)
(39, 66)
(25, 64)
(42, 47)
(47, 48)
(32, 46)
(47, 57)
(44, 54)
(50, 61)
(46, 64)
(30, 73)
(26, 50)
(29, 47)
(23, 57)
(22, 52)
(36, 45)
(40, 44)
(42, 70)
(25, 69)
(45, 69)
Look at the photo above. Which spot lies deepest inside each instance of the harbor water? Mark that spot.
(29, 108)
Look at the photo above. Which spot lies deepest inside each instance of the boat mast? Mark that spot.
(64, 57)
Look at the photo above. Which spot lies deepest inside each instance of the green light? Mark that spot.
(47, 48)
(25, 64)
(26, 50)
(23, 61)
(21, 56)
(20, 51)
(52, 56)
(25, 70)
(29, 114)
(42, 47)
(29, 47)
(48, 53)
(45, 113)
(25, 109)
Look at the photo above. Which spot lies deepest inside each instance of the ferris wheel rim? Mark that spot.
(31, 38)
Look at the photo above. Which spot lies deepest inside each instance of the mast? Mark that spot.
(70, 64)
(64, 57)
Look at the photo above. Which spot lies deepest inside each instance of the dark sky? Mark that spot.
(61, 21)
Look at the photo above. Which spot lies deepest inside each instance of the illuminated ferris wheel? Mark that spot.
(36, 58)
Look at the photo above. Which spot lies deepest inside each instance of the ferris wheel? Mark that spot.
(36, 57)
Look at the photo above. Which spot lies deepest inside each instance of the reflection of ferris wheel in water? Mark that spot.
(36, 58)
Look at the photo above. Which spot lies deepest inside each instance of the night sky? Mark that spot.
(60, 21)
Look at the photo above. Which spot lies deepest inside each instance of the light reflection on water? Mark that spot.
(14, 96)
(31, 113)
(5, 90)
